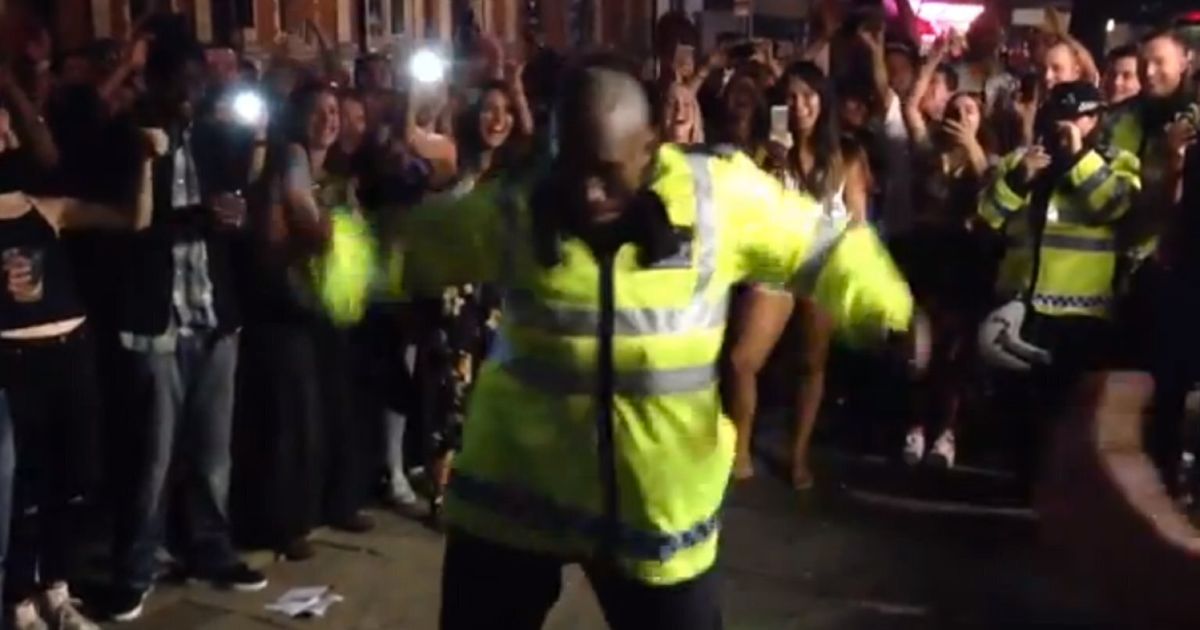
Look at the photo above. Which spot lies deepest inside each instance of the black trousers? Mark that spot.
(55, 403)
(279, 463)
(304, 449)
(485, 585)
(1032, 402)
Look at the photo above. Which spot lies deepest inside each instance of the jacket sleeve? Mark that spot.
(1001, 199)
(781, 239)
(445, 241)
(1103, 185)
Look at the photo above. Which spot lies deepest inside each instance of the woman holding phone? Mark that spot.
(943, 261)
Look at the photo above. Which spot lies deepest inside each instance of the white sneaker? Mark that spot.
(25, 617)
(914, 446)
(60, 612)
(942, 454)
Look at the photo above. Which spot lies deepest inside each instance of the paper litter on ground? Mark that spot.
(309, 601)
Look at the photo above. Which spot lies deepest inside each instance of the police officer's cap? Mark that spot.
(1073, 100)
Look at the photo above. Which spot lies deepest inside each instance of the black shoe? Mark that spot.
(359, 523)
(238, 577)
(126, 603)
(297, 550)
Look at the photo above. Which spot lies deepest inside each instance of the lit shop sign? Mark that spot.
(943, 16)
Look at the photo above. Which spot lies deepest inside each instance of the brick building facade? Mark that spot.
(622, 24)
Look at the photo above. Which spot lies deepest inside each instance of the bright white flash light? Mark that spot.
(249, 108)
(427, 66)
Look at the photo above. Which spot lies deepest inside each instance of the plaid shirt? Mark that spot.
(192, 301)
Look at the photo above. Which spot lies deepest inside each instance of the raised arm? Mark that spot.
(66, 213)
(1104, 184)
(132, 62)
(918, 129)
(515, 74)
(873, 40)
(449, 240)
(30, 127)
(307, 227)
(439, 150)
(716, 62)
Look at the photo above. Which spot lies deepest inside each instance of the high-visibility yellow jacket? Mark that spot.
(530, 473)
(1078, 244)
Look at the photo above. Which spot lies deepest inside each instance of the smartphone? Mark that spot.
(780, 131)
(1029, 87)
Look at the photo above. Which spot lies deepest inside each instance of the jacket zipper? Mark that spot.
(605, 391)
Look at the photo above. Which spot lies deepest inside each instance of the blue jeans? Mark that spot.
(184, 404)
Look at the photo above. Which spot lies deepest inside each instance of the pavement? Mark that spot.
(878, 548)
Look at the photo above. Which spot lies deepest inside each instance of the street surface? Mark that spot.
(878, 549)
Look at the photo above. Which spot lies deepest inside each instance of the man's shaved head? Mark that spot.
(605, 134)
(604, 108)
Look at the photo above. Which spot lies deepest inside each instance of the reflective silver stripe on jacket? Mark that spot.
(1079, 243)
(706, 221)
(577, 321)
(701, 313)
(1057, 301)
(821, 251)
(543, 514)
(581, 381)
(1094, 181)
(1067, 242)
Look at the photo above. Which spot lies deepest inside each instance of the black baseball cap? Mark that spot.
(1072, 100)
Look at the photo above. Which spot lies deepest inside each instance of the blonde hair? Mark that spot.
(687, 96)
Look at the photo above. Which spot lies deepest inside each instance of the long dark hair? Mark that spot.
(829, 161)
(760, 124)
(471, 141)
(300, 108)
(986, 136)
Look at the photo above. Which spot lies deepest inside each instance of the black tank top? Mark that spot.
(36, 284)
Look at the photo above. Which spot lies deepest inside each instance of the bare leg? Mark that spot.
(758, 325)
(817, 330)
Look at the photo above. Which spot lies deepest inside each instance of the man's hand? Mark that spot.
(137, 53)
(873, 40)
(1181, 134)
(1071, 136)
(960, 133)
(1035, 161)
(719, 59)
(156, 141)
(831, 17)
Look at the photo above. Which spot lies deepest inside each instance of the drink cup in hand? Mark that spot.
(23, 271)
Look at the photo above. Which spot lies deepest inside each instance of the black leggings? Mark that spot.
(485, 585)
(54, 399)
